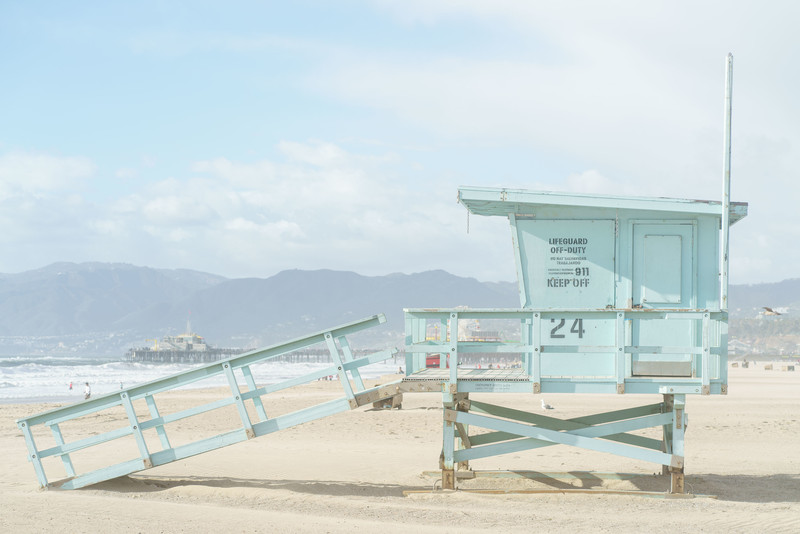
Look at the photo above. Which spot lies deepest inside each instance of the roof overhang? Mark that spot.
(495, 201)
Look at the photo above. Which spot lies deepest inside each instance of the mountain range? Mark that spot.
(101, 307)
(108, 307)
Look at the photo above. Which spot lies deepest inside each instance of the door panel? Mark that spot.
(663, 278)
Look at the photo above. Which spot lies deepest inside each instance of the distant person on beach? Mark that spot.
(87, 391)
(70, 386)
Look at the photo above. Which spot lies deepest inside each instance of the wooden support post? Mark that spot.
(463, 430)
(448, 443)
(666, 440)
(676, 468)
(448, 479)
(390, 403)
(676, 480)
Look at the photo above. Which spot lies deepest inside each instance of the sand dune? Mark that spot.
(349, 472)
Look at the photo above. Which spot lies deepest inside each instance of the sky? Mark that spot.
(245, 138)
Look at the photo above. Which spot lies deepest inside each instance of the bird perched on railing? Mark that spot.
(546, 406)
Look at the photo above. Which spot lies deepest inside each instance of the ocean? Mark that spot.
(28, 379)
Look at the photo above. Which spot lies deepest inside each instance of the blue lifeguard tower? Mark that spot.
(617, 295)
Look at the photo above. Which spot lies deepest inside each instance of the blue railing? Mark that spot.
(581, 351)
(153, 428)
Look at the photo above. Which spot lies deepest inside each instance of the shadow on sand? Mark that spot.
(735, 488)
(148, 484)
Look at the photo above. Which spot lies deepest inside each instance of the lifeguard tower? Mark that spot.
(617, 295)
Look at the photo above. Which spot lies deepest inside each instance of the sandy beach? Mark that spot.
(349, 472)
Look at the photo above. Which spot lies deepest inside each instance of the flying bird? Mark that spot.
(546, 406)
(769, 311)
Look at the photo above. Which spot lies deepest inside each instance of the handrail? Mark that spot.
(700, 351)
(343, 364)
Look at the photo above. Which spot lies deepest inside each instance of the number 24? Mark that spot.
(577, 328)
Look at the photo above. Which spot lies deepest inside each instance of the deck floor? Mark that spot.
(472, 375)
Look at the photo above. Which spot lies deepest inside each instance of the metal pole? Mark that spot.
(726, 185)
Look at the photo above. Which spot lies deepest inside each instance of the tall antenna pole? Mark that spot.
(726, 185)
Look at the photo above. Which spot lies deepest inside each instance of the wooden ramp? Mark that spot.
(139, 433)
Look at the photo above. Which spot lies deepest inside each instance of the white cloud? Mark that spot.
(323, 207)
(239, 175)
(177, 210)
(126, 173)
(173, 43)
(31, 173)
(615, 85)
(589, 182)
(319, 154)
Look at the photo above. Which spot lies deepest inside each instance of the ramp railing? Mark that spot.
(144, 430)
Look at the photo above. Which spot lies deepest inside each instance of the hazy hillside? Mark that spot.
(107, 308)
(749, 300)
(68, 298)
(295, 302)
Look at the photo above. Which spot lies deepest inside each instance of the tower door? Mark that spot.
(663, 278)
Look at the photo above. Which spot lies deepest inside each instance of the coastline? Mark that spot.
(350, 470)
(50, 399)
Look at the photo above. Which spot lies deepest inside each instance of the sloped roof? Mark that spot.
(501, 201)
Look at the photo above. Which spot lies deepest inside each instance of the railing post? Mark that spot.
(137, 431)
(251, 385)
(237, 397)
(420, 336)
(536, 364)
(68, 468)
(33, 453)
(706, 363)
(160, 430)
(620, 356)
(452, 354)
(347, 356)
(337, 361)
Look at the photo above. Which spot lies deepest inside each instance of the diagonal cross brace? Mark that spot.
(553, 423)
(586, 438)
